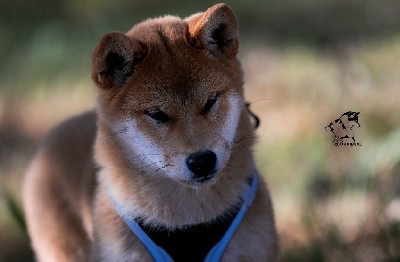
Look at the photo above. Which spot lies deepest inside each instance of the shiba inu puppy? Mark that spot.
(170, 144)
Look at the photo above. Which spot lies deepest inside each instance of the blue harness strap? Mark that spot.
(247, 198)
(158, 253)
(215, 254)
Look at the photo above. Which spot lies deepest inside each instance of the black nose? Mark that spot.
(202, 164)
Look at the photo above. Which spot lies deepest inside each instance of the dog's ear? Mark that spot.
(215, 30)
(115, 59)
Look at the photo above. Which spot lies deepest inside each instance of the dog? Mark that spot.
(163, 169)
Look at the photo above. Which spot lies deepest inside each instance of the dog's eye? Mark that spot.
(158, 115)
(210, 103)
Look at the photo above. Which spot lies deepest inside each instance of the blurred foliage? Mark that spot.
(43, 41)
(15, 212)
(306, 62)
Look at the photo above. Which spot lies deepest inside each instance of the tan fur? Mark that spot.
(58, 191)
(173, 65)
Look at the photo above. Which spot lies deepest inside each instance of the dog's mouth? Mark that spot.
(199, 182)
(204, 179)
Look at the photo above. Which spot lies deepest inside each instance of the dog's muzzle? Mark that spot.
(202, 165)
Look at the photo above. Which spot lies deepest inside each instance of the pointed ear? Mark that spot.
(115, 59)
(215, 30)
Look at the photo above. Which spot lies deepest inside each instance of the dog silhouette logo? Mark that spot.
(343, 129)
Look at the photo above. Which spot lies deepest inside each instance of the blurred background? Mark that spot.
(306, 62)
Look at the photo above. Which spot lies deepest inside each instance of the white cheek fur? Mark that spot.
(228, 130)
(139, 148)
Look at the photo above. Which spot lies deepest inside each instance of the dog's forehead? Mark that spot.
(172, 66)
(160, 34)
(181, 89)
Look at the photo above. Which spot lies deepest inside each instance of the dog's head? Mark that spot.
(170, 95)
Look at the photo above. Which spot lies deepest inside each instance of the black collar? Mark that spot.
(192, 242)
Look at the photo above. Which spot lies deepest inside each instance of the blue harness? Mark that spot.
(215, 254)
